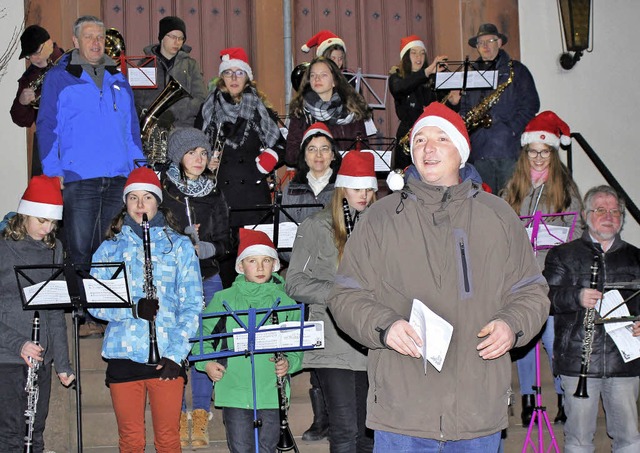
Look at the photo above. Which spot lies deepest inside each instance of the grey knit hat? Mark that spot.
(185, 139)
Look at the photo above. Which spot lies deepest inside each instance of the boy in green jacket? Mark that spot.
(257, 286)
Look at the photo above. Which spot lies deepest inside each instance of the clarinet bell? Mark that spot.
(286, 441)
(581, 389)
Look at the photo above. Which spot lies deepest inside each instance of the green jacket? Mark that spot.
(235, 388)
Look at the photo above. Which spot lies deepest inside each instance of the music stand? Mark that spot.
(251, 328)
(62, 290)
(466, 76)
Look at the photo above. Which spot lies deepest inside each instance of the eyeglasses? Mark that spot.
(486, 42)
(177, 38)
(322, 150)
(601, 212)
(532, 153)
(228, 74)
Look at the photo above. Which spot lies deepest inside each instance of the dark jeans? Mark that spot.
(13, 402)
(345, 395)
(495, 172)
(238, 424)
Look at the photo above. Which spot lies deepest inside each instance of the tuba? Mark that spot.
(154, 137)
(114, 45)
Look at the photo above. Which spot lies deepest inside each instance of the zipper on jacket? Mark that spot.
(465, 271)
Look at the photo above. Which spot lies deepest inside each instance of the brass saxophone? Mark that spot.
(478, 116)
(149, 291)
(587, 342)
(32, 388)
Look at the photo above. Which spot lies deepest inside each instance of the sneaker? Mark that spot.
(91, 329)
(185, 417)
(200, 428)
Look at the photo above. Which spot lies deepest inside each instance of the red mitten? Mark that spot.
(267, 160)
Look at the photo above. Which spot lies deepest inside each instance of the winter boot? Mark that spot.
(184, 428)
(561, 417)
(200, 428)
(528, 405)
(320, 426)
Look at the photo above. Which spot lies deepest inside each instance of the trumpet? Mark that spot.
(589, 330)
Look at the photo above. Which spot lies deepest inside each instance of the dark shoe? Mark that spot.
(561, 417)
(528, 405)
(319, 429)
(90, 330)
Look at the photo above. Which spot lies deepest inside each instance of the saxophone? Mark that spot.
(589, 330)
(31, 387)
(478, 116)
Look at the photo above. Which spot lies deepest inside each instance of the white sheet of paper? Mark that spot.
(141, 77)
(55, 293)
(620, 332)
(475, 79)
(97, 294)
(434, 332)
(268, 337)
(550, 235)
(286, 232)
(381, 159)
(370, 127)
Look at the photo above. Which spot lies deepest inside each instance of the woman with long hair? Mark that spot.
(541, 182)
(317, 251)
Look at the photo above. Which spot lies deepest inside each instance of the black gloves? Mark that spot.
(170, 369)
(148, 308)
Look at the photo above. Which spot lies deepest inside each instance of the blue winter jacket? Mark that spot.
(85, 132)
(176, 275)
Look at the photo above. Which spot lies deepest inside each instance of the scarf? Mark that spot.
(156, 221)
(317, 184)
(201, 187)
(219, 109)
(330, 112)
(539, 177)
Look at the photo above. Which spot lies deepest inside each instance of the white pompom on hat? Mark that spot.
(43, 198)
(235, 57)
(143, 178)
(323, 39)
(254, 243)
(439, 115)
(410, 41)
(316, 128)
(547, 128)
(357, 171)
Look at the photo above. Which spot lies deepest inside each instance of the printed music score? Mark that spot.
(435, 333)
(53, 293)
(283, 335)
(620, 332)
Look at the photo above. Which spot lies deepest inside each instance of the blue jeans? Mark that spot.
(201, 385)
(386, 442)
(495, 172)
(238, 424)
(619, 399)
(527, 364)
(89, 207)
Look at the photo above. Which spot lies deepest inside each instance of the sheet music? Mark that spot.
(434, 332)
(381, 159)
(54, 293)
(475, 79)
(286, 232)
(96, 293)
(141, 77)
(620, 332)
(268, 337)
(550, 235)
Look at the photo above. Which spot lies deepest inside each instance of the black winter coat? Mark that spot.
(411, 94)
(567, 270)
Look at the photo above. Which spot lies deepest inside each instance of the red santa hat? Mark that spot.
(357, 171)
(439, 115)
(235, 57)
(410, 41)
(323, 39)
(547, 128)
(43, 198)
(316, 128)
(143, 178)
(253, 243)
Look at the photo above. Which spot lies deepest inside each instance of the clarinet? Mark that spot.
(348, 221)
(149, 290)
(589, 331)
(32, 388)
(286, 441)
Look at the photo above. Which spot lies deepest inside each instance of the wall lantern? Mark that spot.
(575, 19)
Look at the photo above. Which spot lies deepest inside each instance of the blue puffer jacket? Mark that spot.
(176, 275)
(85, 132)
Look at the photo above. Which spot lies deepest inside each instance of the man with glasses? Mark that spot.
(39, 49)
(173, 61)
(611, 377)
(495, 149)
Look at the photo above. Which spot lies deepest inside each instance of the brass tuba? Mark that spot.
(114, 44)
(154, 137)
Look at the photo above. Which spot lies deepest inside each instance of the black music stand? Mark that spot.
(467, 75)
(62, 290)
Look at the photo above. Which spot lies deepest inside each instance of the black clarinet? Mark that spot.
(348, 221)
(589, 331)
(31, 387)
(286, 441)
(149, 291)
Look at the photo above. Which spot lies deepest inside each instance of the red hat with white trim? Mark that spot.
(43, 198)
(323, 39)
(143, 178)
(357, 171)
(235, 57)
(254, 243)
(547, 128)
(316, 128)
(439, 115)
(410, 41)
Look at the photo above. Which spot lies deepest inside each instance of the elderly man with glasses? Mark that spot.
(612, 372)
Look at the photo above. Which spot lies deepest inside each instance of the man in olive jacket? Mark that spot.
(466, 256)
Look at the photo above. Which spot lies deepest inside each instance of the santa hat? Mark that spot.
(323, 39)
(547, 128)
(253, 243)
(316, 128)
(439, 115)
(410, 41)
(43, 198)
(357, 171)
(143, 178)
(235, 57)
